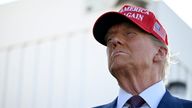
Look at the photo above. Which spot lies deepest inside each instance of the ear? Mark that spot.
(160, 55)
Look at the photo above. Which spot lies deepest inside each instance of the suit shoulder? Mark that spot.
(185, 103)
(169, 101)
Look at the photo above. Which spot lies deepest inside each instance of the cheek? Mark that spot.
(141, 53)
(145, 56)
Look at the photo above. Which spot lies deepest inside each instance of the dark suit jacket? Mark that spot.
(168, 101)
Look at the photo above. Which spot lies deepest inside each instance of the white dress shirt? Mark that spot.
(151, 95)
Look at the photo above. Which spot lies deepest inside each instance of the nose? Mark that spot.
(115, 41)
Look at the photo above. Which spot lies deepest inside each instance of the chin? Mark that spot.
(116, 68)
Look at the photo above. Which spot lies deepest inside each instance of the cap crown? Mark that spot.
(145, 20)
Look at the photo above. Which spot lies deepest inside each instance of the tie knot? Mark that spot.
(136, 101)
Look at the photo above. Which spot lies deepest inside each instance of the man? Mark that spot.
(137, 57)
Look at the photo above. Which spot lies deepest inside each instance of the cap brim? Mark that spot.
(104, 22)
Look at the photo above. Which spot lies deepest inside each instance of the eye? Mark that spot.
(130, 34)
(107, 38)
(108, 41)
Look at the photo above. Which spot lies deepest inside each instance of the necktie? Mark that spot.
(136, 101)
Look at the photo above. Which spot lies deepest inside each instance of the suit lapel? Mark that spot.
(168, 101)
(109, 105)
(112, 104)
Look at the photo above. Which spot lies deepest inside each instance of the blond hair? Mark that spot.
(167, 60)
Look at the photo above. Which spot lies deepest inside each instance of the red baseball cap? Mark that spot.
(143, 18)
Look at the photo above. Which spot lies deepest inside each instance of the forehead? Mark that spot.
(123, 27)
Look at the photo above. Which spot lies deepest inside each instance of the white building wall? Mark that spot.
(49, 58)
(63, 72)
(179, 34)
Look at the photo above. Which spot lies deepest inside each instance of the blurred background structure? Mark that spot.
(49, 58)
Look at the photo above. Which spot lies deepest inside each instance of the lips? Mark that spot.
(118, 52)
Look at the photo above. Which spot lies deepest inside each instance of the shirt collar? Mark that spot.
(122, 98)
(151, 95)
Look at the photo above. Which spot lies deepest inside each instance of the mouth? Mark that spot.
(117, 53)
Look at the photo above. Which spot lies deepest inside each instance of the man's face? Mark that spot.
(128, 47)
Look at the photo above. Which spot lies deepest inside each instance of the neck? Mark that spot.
(137, 81)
